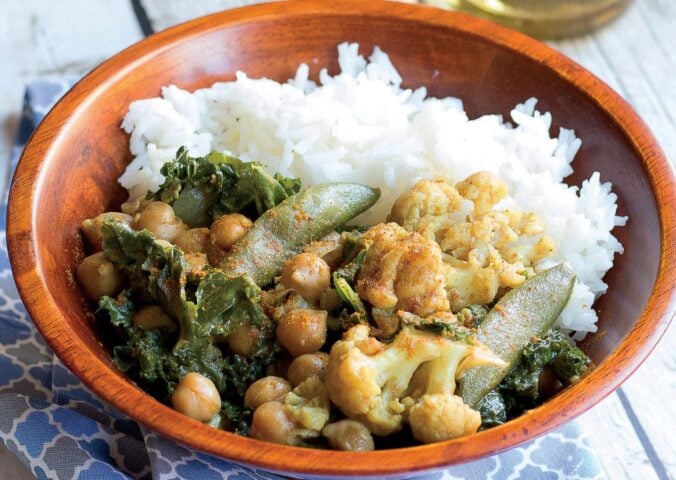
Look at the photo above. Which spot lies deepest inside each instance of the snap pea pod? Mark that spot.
(283, 231)
(527, 311)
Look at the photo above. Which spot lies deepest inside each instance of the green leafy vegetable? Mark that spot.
(451, 330)
(553, 349)
(348, 295)
(344, 279)
(570, 364)
(492, 409)
(206, 313)
(232, 417)
(519, 391)
(352, 245)
(349, 272)
(157, 272)
(202, 188)
(225, 303)
(472, 315)
(119, 311)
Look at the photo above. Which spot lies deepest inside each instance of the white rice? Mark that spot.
(361, 126)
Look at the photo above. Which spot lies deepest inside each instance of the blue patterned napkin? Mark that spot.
(59, 429)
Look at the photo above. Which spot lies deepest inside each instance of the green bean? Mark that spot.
(282, 231)
(527, 311)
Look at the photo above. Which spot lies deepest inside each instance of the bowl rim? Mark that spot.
(42, 306)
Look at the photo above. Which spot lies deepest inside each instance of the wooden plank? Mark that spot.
(630, 55)
(623, 456)
(651, 392)
(162, 17)
(42, 39)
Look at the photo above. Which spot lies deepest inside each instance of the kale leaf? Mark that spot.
(492, 409)
(156, 272)
(570, 364)
(232, 417)
(519, 389)
(349, 271)
(344, 280)
(205, 313)
(452, 330)
(224, 304)
(119, 311)
(472, 315)
(555, 349)
(202, 188)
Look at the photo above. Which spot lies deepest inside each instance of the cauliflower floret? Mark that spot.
(403, 270)
(468, 284)
(301, 416)
(484, 250)
(484, 190)
(427, 198)
(486, 254)
(308, 404)
(435, 413)
(367, 379)
(440, 417)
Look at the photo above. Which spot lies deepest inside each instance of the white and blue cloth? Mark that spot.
(61, 430)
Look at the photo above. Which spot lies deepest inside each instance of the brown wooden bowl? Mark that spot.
(68, 172)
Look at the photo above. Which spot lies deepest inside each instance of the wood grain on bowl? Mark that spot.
(69, 169)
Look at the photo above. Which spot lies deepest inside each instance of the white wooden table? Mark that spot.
(634, 430)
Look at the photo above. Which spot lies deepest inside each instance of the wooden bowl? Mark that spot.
(69, 169)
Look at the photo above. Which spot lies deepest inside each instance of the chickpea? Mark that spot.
(330, 300)
(302, 331)
(98, 277)
(159, 218)
(193, 240)
(279, 367)
(132, 207)
(306, 366)
(308, 275)
(333, 258)
(271, 423)
(243, 340)
(348, 435)
(92, 227)
(197, 264)
(215, 254)
(266, 389)
(197, 397)
(228, 229)
(151, 317)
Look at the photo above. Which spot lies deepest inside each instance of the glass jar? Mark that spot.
(545, 19)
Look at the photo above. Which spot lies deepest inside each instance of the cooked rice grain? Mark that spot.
(361, 126)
